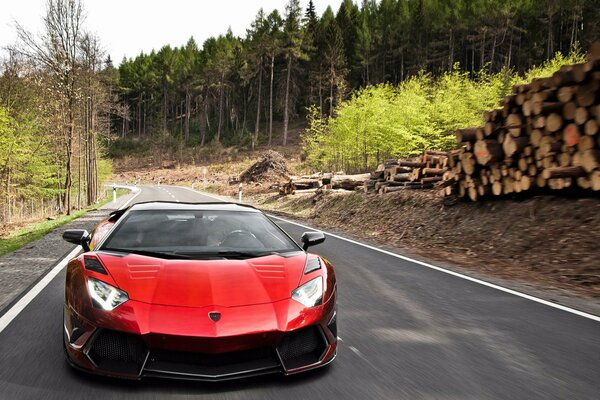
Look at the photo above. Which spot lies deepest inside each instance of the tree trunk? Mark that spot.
(271, 100)
(257, 126)
(188, 105)
(287, 98)
(164, 108)
(221, 95)
(331, 82)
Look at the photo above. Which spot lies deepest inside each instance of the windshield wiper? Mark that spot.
(156, 254)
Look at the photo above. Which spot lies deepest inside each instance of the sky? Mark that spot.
(128, 27)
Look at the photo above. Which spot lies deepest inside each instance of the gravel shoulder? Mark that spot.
(22, 268)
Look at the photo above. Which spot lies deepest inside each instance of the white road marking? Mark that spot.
(20, 305)
(29, 296)
(453, 273)
(440, 269)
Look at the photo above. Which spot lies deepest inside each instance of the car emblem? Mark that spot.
(215, 316)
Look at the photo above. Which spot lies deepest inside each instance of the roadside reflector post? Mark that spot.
(114, 194)
(204, 172)
(240, 193)
(193, 182)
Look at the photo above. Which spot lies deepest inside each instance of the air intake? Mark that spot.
(303, 347)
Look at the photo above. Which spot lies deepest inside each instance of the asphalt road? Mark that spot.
(408, 332)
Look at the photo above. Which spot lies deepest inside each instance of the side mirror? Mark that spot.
(78, 236)
(311, 239)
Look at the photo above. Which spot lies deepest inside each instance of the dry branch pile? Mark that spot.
(545, 135)
(404, 174)
(270, 166)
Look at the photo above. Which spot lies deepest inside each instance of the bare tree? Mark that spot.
(56, 49)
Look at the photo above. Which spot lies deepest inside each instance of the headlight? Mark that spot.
(104, 295)
(310, 294)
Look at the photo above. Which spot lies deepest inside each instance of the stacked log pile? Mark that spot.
(422, 172)
(546, 135)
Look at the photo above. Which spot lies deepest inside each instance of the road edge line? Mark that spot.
(9, 314)
(453, 273)
(28, 297)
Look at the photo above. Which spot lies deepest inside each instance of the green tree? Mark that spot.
(292, 49)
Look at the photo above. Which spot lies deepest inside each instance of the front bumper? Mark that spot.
(311, 342)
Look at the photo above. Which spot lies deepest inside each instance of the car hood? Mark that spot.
(200, 283)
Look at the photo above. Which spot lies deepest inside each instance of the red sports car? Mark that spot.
(209, 291)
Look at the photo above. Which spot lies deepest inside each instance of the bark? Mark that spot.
(257, 126)
(221, 95)
(188, 105)
(287, 99)
(271, 100)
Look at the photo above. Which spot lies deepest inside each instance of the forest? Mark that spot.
(65, 109)
(232, 89)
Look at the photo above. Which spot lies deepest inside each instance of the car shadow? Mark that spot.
(196, 386)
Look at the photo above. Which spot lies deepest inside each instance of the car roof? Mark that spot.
(212, 206)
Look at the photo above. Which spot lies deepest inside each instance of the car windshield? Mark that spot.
(198, 234)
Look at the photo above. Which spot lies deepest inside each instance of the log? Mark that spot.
(404, 177)
(431, 179)
(591, 127)
(581, 115)
(564, 159)
(586, 95)
(543, 95)
(547, 108)
(433, 171)
(526, 182)
(436, 153)
(536, 136)
(514, 124)
(563, 172)
(569, 110)
(584, 182)
(571, 135)
(349, 182)
(586, 143)
(466, 135)
(487, 151)
(554, 122)
(468, 163)
(412, 164)
(374, 175)
(563, 77)
(565, 94)
(539, 122)
(595, 180)
(513, 145)
(590, 159)
(549, 145)
(540, 181)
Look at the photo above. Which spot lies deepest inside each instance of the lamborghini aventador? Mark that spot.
(208, 291)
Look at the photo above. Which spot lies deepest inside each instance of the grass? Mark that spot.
(23, 236)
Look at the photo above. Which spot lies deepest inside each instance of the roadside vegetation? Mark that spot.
(14, 240)
(387, 121)
(54, 110)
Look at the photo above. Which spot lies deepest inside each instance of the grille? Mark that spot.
(301, 348)
(212, 365)
(117, 351)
